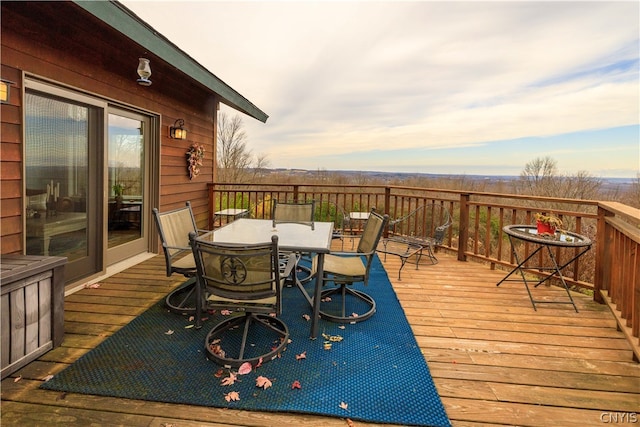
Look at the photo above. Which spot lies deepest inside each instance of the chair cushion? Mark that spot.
(344, 266)
(186, 261)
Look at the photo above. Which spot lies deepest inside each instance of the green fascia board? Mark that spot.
(126, 22)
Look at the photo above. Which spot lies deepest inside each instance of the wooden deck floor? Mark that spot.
(495, 361)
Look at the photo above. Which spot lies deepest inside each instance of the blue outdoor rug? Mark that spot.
(376, 373)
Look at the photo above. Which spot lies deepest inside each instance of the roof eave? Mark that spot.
(128, 23)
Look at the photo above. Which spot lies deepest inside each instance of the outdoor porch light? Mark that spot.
(177, 131)
(144, 71)
(5, 91)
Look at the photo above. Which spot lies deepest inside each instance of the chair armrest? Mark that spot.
(349, 254)
(292, 260)
(184, 248)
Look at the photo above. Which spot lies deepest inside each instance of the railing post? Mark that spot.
(463, 227)
(296, 190)
(387, 200)
(211, 188)
(387, 203)
(603, 256)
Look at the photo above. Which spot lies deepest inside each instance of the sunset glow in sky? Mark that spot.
(424, 86)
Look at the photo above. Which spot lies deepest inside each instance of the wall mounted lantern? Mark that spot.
(144, 71)
(5, 91)
(177, 131)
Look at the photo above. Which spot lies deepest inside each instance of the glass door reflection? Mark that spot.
(60, 205)
(126, 180)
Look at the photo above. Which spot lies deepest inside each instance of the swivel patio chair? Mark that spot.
(244, 279)
(174, 227)
(294, 213)
(346, 268)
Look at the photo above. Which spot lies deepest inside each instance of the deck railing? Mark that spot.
(617, 269)
(610, 270)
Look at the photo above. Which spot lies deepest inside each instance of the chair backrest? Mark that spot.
(371, 233)
(174, 227)
(239, 274)
(299, 213)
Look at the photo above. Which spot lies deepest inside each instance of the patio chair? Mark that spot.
(425, 226)
(244, 279)
(174, 227)
(294, 213)
(346, 268)
(395, 244)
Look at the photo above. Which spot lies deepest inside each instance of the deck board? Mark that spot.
(494, 360)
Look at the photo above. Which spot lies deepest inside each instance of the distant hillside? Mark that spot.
(404, 176)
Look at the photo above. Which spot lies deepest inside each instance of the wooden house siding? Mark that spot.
(11, 164)
(64, 44)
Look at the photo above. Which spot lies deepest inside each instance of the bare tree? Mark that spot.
(632, 195)
(236, 162)
(540, 177)
(582, 185)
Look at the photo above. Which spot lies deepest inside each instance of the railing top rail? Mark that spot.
(291, 185)
(619, 209)
(421, 189)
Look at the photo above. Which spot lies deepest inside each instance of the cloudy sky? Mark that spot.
(424, 86)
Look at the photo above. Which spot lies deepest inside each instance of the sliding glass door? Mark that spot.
(62, 141)
(127, 185)
(87, 181)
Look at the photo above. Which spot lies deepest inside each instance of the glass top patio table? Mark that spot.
(359, 216)
(291, 237)
(560, 239)
(229, 214)
(232, 212)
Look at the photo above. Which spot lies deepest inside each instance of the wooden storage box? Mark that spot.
(32, 308)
